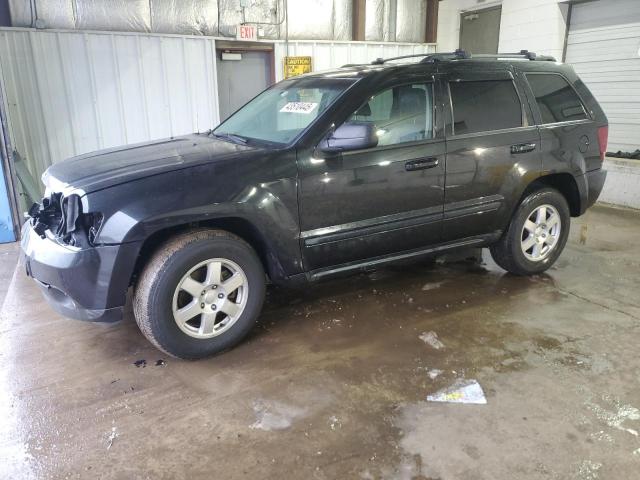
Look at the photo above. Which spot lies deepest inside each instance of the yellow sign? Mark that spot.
(294, 66)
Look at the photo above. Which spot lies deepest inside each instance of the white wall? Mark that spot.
(327, 54)
(71, 92)
(536, 25)
(621, 186)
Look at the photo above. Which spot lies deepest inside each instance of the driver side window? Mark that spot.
(400, 114)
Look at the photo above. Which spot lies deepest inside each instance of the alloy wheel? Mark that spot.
(540, 233)
(210, 298)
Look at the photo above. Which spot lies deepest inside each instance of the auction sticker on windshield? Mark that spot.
(299, 107)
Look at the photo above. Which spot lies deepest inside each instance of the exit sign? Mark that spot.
(247, 32)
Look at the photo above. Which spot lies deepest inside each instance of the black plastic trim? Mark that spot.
(374, 226)
(479, 240)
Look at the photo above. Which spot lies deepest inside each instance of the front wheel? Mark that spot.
(536, 234)
(199, 294)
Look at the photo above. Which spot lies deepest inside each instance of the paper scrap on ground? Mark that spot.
(431, 286)
(431, 338)
(434, 373)
(299, 107)
(463, 391)
(112, 436)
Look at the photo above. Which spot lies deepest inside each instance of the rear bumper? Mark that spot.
(85, 284)
(595, 183)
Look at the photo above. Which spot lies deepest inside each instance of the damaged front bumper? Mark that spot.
(82, 283)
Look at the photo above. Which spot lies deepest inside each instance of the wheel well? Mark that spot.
(238, 226)
(564, 183)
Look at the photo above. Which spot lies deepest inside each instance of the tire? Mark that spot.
(511, 252)
(163, 288)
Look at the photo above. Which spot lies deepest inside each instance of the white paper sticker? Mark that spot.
(299, 107)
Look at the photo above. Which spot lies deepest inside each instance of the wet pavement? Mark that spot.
(333, 382)
(8, 260)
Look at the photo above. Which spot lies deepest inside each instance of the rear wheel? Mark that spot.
(200, 294)
(536, 234)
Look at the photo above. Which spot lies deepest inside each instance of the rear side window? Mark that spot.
(557, 101)
(480, 106)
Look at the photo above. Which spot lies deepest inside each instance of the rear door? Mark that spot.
(492, 146)
(374, 202)
(569, 136)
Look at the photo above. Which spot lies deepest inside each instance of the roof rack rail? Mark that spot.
(426, 57)
(463, 55)
(521, 54)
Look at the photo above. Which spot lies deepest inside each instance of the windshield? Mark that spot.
(280, 113)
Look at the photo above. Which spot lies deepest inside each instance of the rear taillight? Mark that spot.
(603, 137)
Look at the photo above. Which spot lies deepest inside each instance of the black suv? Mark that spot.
(319, 175)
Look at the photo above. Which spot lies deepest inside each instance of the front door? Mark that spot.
(370, 203)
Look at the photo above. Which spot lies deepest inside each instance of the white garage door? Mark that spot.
(604, 48)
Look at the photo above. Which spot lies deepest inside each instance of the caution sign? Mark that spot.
(294, 66)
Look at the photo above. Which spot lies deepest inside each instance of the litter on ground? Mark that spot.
(462, 391)
(431, 338)
(434, 373)
(112, 436)
(431, 286)
(334, 422)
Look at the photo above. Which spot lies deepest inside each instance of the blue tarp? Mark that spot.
(6, 225)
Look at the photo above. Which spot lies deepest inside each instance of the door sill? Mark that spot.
(367, 264)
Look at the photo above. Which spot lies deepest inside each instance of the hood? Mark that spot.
(106, 168)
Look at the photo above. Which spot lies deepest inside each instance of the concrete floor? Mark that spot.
(333, 384)
(8, 259)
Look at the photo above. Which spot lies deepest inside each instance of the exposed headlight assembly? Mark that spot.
(78, 228)
(63, 216)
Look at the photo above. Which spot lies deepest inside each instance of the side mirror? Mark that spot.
(350, 136)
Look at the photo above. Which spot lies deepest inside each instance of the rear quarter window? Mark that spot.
(484, 105)
(556, 99)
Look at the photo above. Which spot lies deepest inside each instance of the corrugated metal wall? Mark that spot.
(71, 92)
(604, 48)
(326, 55)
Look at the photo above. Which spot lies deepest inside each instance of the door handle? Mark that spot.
(523, 148)
(421, 164)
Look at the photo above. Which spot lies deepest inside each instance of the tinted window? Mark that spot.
(557, 101)
(400, 114)
(479, 106)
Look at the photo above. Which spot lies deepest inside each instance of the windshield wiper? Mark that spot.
(231, 136)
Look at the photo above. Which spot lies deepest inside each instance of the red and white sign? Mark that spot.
(247, 33)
